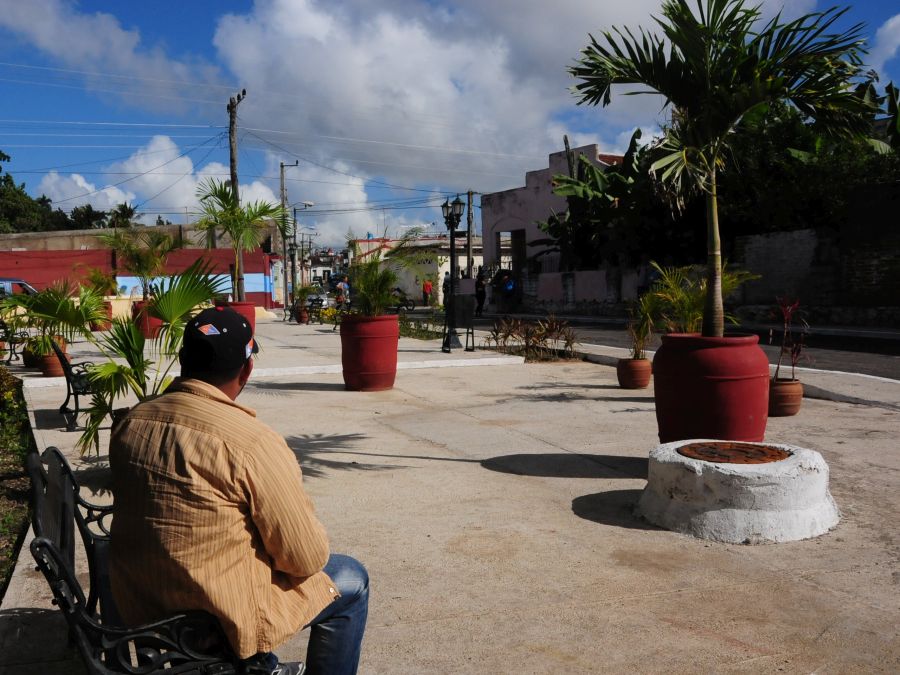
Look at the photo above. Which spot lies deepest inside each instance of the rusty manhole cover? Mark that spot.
(727, 452)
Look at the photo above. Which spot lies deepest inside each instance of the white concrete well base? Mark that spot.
(773, 502)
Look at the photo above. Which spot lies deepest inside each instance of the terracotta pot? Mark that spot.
(148, 325)
(785, 397)
(633, 373)
(50, 365)
(369, 351)
(303, 315)
(245, 309)
(708, 387)
(104, 325)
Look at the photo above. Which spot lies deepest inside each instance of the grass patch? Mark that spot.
(15, 443)
(428, 328)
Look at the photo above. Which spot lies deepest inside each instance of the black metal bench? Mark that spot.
(77, 384)
(186, 643)
(13, 339)
(315, 307)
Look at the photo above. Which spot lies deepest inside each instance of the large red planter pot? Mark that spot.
(707, 387)
(148, 325)
(245, 309)
(369, 351)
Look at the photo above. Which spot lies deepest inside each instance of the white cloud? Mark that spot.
(886, 45)
(469, 94)
(73, 190)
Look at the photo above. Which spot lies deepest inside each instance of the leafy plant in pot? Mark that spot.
(143, 252)
(103, 284)
(138, 366)
(244, 225)
(635, 372)
(679, 295)
(301, 297)
(58, 313)
(369, 335)
(718, 67)
(786, 393)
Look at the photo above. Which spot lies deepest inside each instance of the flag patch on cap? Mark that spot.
(209, 329)
(249, 349)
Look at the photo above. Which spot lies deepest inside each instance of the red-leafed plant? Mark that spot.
(791, 343)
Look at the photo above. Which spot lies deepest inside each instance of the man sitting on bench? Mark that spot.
(211, 514)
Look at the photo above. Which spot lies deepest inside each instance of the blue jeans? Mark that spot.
(336, 634)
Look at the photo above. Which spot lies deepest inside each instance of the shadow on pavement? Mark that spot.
(567, 465)
(297, 386)
(308, 448)
(615, 507)
(49, 418)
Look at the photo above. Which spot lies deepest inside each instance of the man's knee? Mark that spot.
(348, 575)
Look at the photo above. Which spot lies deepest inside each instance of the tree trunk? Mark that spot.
(713, 311)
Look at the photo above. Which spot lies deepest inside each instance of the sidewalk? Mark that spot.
(491, 501)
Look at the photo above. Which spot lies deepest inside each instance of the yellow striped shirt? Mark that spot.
(211, 514)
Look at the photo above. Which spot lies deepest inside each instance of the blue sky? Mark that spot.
(386, 107)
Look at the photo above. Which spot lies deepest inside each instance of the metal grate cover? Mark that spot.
(729, 452)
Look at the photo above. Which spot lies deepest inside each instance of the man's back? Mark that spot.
(211, 514)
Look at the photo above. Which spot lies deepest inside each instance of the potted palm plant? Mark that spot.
(244, 226)
(369, 335)
(786, 393)
(104, 284)
(58, 313)
(301, 297)
(143, 252)
(719, 66)
(140, 366)
(634, 372)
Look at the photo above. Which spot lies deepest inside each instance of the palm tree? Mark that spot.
(139, 367)
(717, 68)
(244, 225)
(122, 215)
(143, 252)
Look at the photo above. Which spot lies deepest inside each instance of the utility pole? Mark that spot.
(232, 146)
(294, 255)
(284, 247)
(471, 261)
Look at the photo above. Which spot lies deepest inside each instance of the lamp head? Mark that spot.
(457, 207)
(445, 208)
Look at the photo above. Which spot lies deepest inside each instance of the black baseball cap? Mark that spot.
(217, 339)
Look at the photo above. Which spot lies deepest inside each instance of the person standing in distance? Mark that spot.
(211, 514)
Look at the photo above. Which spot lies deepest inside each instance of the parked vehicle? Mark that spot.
(321, 293)
(11, 286)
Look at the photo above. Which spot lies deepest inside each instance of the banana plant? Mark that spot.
(140, 367)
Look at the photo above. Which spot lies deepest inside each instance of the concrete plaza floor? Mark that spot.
(492, 502)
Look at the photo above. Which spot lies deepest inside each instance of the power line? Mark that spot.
(124, 77)
(347, 139)
(115, 124)
(329, 168)
(93, 192)
(109, 91)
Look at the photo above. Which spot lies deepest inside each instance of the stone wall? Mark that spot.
(850, 277)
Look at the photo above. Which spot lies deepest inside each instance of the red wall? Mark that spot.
(42, 268)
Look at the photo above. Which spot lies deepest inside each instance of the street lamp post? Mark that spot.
(452, 214)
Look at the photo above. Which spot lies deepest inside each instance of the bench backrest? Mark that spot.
(189, 642)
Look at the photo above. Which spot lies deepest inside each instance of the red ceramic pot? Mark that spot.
(148, 325)
(633, 373)
(369, 351)
(708, 387)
